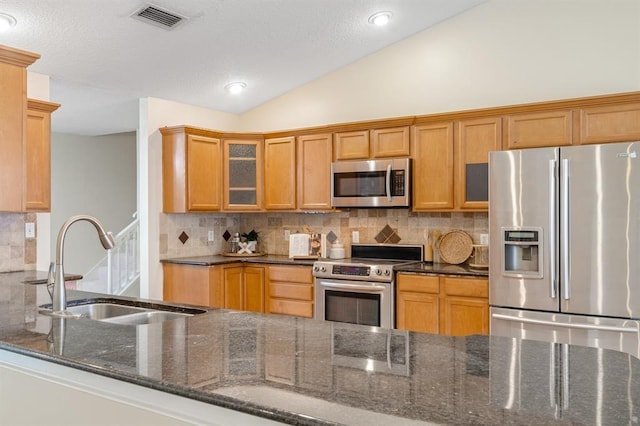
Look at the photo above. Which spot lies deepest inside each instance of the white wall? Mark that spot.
(93, 175)
(502, 52)
(154, 114)
(38, 88)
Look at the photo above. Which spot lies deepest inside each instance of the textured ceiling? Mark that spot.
(101, 61)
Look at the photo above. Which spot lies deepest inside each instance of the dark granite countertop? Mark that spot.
(302, 371)
(221, 260)
(419, 268)
(442, 269)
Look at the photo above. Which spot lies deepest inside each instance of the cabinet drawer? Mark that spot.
(298, 274)
(291, 291)
(470, 287)
(291, 307)
(418, 283)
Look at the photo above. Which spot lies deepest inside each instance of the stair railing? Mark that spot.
(122, 263)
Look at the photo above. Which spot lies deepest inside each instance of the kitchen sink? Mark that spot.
(126, 312)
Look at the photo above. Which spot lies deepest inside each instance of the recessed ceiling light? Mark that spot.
(380, 18)
(6, 22)
(235, 87)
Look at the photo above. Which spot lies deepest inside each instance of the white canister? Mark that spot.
(337, 250)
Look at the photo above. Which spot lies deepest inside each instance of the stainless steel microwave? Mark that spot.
(372, 183)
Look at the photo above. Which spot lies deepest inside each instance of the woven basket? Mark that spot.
(455, 247)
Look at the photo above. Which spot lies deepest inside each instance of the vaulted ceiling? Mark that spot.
(101, 60)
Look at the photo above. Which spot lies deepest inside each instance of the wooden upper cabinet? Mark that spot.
(38, 155)
(191, 171)
(375, 143)
(351, 145)
(611, 123)
(392, 142)
(314, 154)
(243, 177)
(433, 166)
(280, 173)
(474, 140)
(540, 129)
(13, 116)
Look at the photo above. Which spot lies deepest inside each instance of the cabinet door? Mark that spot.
(539, 129)
(351, 145)
(253, 288)
(418, 312)
(280, 174)
(464, 306)
(242, 175)
(185, 284)
(314, 172)
(393, 142)
(204, 158)
(612, 123)
(38, 161)
(475, 139)
(233, 289)
(433, 166)
(417, 308)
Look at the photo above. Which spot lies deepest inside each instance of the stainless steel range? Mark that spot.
(361, 290)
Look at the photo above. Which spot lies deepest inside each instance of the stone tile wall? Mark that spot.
(412, 228)
(16, 252)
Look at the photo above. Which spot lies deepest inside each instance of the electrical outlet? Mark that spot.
(211, 236)
(484, 239)
(355, 236)
(29, 230)
(287, 234)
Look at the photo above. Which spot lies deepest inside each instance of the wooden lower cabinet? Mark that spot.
(290, 290)
(418, 303)
(193, 285)
(233, 286)
(464, 307)
(455, 306)
(244, 287)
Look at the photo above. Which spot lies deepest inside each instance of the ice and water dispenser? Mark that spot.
(522, 252)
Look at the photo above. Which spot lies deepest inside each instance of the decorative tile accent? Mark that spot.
(226, 235)
(387, 235)
(183, 237)
(331, 237)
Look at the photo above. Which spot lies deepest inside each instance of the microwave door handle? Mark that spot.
(388, 183)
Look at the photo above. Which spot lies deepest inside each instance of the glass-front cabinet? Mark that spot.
(243, 174)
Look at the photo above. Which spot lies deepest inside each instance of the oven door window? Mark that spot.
(354, 308)
(360, 184)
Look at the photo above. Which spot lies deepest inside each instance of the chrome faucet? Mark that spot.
(56, 272)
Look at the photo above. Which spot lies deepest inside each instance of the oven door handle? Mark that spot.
(364, 288)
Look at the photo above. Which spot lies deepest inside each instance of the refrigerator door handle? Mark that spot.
(553, 211)
(564, 229)
(565, 325)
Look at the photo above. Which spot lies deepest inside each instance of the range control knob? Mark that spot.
(323, 269)
(379, 271)
(387, 272)
(316, 268)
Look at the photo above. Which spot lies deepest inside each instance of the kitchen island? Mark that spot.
(302, 371)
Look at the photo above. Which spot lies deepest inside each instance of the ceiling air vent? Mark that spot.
(159, 17)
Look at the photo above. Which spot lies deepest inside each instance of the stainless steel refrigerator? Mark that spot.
(564, 228)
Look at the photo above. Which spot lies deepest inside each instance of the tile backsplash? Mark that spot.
(16, 252)
(411, 228)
